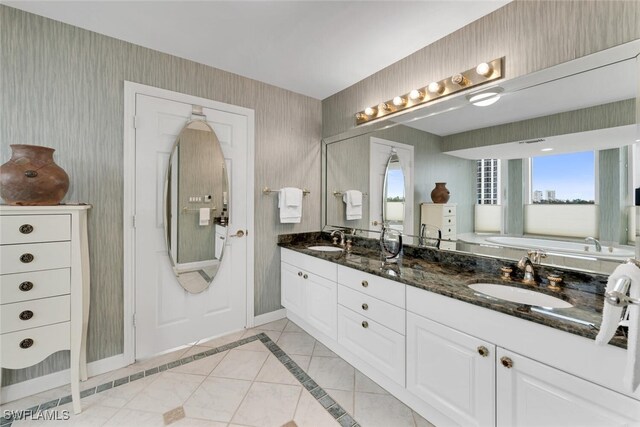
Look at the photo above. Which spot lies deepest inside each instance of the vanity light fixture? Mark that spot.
(399, 101)
(476, 76)
(436, 88)
(416, 95)
(486, 97)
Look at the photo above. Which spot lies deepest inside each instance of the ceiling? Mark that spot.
(315, 48)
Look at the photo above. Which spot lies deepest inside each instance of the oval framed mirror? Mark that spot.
(393, 194)
(196, 195)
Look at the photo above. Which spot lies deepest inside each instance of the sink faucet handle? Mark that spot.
(536, 255)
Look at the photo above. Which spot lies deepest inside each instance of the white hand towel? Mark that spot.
(205, 216)
(353, 202)
(611, 319)
(290, 205)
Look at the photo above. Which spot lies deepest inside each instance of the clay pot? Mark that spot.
(440, 194)
(31, 177)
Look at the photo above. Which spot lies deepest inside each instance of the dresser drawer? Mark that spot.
(33, 285)
(34, 228)
(375, 344)
(31, 314)
(384, 313)
(34, 256)
(383, 289)
(25, 348)
(313, 265)
(448, 231)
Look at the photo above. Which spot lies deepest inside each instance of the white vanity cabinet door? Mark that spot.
(321, 304)
(292, 292)
(451, 371)
(531, 394)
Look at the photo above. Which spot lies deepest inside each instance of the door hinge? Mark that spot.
(136, 122)
(133, 221)
(134, 319)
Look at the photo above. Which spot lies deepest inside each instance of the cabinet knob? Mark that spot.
(305, 276)
(25, 286)
(26, 258)
(365, 324)
(365, 283)
(299, 273)
(483, 351)
(26, 228)
(26, 315)
(375, 223)
(365, 306)
(506, 362)
(26, 343)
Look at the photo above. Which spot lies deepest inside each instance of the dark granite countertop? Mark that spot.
(450, 273)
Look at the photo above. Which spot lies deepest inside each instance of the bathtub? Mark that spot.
(562, 247)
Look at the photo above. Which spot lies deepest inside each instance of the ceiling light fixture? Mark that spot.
(485, 98)
(481, 74)
(547, 149)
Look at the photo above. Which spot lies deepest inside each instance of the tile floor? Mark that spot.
(243, 386)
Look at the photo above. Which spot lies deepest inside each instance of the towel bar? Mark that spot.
(340, 193)
(186, 209)
(267, 190)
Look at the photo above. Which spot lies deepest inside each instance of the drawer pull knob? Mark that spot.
(26, 258)
(26, 228)
(25, 286)
(365, 283)
(299, 273)
(365, 324)
(483, 351)
(506, 362)
(26, 343)
(26, 315)
(305, 276)
(365, 306)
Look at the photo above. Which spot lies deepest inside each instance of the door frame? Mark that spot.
(132, 89)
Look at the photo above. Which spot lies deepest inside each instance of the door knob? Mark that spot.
(375, 223)
(239, 233)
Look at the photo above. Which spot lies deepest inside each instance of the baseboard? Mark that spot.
(57, 379)
(269, 317)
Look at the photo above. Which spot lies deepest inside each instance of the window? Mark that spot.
(488, 178)
(564, 179)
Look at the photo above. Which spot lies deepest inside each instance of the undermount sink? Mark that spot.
(520, 296)
(325, 248)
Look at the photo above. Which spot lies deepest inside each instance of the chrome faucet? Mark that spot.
(529, 273)
(595, 241)
(335, 239)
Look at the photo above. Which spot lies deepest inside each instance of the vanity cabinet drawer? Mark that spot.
(35, 256)
(322, 268)
(373, 343)
(384, 313)
(16, 229)
(25, 348)
(377, 287)
(33, 285)
(31, 314)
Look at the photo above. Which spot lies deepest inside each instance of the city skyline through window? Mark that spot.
(563, 178)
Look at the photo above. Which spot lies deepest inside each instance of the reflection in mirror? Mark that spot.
(196, 196)
(552, 165)
(393, 194)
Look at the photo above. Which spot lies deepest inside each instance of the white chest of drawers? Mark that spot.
(44, 287)
(442, 216)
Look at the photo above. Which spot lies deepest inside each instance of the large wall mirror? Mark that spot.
(196, 206)
(551, 162)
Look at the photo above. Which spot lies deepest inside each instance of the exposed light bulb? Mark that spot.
(435, 87)
(369, 111)
(459, 79)
(399, 101)
(360, 116)
(415, 94)
(484, 69)
(383, 106)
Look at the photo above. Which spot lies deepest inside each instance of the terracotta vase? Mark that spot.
(440, 194)
(31, 177)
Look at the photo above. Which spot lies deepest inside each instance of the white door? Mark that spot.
(166, 316)
(530, 394)
(380, 150)
(451, 371)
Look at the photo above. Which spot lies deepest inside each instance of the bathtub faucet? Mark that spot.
(595, 241)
